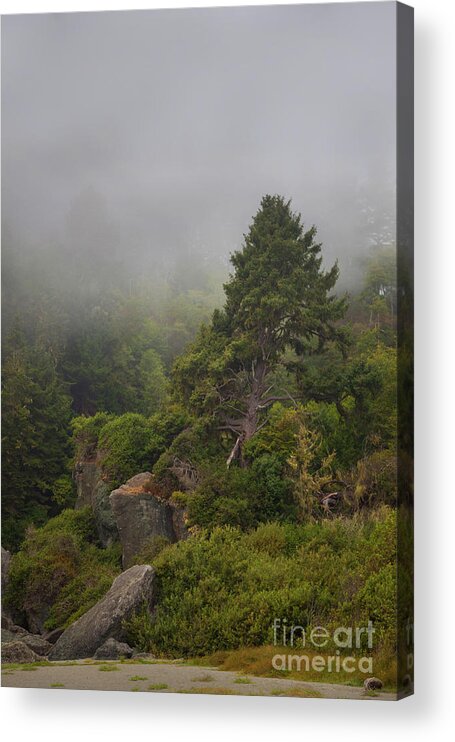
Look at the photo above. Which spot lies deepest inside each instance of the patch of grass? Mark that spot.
(296, 692)
(23, 666)
(158, 686)
(202, 678)
(211, 691)
(57, 685)
(108, 668)
(243, 680)
(135, 690)
(137, 677)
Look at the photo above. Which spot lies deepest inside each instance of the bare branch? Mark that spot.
(233, 452)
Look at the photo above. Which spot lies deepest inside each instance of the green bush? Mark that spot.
(224, 497)
(60, 571)
(150, 550)
(375, 480)
(223, 590)
(194, 444)
(126, 444)
(86, 432)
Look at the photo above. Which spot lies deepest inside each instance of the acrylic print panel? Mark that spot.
(207, 351)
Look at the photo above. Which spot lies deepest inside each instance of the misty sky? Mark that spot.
(152, 133)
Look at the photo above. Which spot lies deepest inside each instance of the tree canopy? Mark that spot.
(278, 302)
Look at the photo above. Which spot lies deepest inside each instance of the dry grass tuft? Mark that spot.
(258, 661)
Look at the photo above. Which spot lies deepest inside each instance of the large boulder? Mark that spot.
(53, 635)
(113, 650)
(143, 513)
(34, 642)
(128, 593)
(19, 652)
(93, 490)
(9, 627)
(10, 636)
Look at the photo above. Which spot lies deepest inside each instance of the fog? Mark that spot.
(145, 139)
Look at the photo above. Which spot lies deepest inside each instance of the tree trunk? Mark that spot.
(250, 422)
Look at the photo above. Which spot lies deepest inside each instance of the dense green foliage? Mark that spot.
(223, 589)
(61, 571)
(272, 420)
(35, 438)
(126, 444)
(278, 299)
(78, 342)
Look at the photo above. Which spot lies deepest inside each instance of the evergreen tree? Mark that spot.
(35, 437)
(278, 300)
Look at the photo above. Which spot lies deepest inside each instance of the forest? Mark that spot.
(262, 398)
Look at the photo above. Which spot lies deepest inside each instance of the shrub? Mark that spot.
(225, 497)
(60, 571)
(375, 480)
(196, 449)
(150, 550)
(223, 590)
(126, 444)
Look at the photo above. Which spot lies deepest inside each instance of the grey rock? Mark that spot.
(86, 474)
(113, 650)
(372, 684)
(93, 490)
(8, 636)
(6, 561)
(37, 644)
(36, 616)
(8, 626)
(7, 622)
(53, 635)
(142, 513)
(17, 651)
(127, 595)
(143, 656)
(34, 642)
(179, 521)
(11, 635)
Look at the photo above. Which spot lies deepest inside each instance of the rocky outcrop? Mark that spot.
(6, 559)
(113, 650)
(18, 652)
(128, 593)
(93, 490)
(142, 513)
(179, 521)
(36, 643)
(11, 636)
